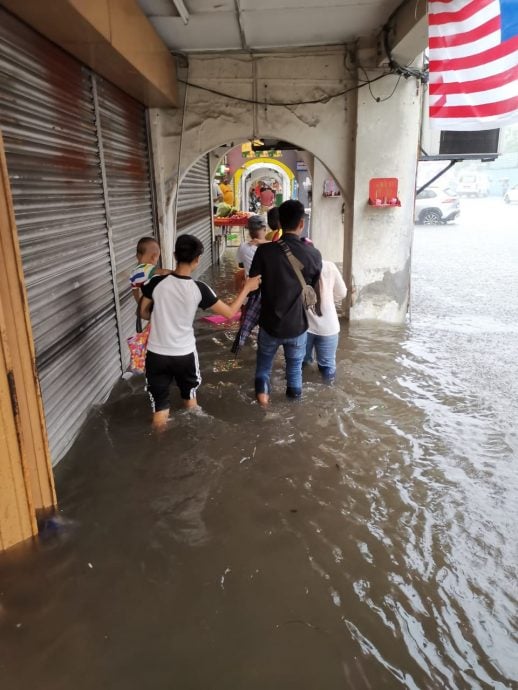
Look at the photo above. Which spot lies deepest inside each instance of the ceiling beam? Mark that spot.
(239, 18)
(113, 37)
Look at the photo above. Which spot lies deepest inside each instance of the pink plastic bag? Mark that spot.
(218, 319)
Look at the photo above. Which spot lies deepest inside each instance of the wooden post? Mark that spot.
(24, 455)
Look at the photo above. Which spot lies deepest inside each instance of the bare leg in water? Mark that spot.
(161, 417)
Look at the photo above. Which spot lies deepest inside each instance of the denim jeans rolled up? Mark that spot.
(294, 352)
(325, 349)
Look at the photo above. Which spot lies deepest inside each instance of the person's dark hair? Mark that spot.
(187, 248)
(291, 213)
(144, 243)
(273, 218)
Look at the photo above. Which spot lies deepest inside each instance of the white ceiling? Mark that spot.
(265, 24)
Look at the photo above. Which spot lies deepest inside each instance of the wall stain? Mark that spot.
(392, 287)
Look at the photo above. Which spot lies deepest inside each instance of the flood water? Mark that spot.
(364, 538)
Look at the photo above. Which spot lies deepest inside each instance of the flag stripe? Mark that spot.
(437, 6)
(500, 93)
(483, 58)
(475, 34)
(492, 9)
(460, 15)
(475, 85)
(473, 124)
(501, 65)
(483, 44)
(482, 110)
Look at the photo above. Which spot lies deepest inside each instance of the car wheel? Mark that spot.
(430, 217)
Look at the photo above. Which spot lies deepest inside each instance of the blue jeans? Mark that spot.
(294, 351)
(325, 347)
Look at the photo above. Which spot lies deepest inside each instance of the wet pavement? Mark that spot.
(362, 538)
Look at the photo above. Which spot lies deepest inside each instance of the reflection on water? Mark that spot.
(362, 538)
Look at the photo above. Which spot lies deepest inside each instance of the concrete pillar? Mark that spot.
(386, 146)
(165, 130)
(327, 223)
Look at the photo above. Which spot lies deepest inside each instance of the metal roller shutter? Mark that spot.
(194, 211)
(77, 155)
(125, 158)
(51, 128)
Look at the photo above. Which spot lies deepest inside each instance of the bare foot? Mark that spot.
(160, 419)
(263, 399)
(189, 404)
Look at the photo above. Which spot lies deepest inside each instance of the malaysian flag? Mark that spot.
(473, 52)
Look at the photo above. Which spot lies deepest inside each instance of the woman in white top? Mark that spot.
(324, 330)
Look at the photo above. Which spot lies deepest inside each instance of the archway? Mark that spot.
(305, 172)
(243, 174)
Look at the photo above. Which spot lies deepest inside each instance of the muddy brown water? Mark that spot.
(363, 538)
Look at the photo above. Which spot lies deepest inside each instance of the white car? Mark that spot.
(511, 194)
(435, 205)
(474, 184)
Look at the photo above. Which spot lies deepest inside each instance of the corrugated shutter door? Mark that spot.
(194, 212)
(130, 202)
(48, 124)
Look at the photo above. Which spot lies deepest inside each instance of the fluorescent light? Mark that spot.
(182, 10)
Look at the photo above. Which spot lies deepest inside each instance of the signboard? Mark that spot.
(383, 191)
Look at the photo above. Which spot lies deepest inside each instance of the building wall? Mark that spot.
(355, 136)
(207, 121)
(327, 224)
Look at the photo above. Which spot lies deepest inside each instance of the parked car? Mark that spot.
(435, 205)
(473, 184)
(511, 195)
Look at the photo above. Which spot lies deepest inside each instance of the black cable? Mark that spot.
(395, 67)
(253, 101)
(378, 99)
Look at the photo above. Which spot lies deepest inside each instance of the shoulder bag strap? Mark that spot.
(294, 262)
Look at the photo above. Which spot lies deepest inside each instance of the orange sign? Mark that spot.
(383, 191)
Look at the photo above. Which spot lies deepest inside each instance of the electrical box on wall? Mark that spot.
(383, 192)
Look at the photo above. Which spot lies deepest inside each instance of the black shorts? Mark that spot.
(162, 370)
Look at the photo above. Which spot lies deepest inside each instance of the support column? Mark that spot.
(386, 146)
(327, 220)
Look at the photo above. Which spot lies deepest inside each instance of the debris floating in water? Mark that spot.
(227, 571)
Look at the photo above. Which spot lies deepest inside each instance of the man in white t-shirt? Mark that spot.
(170, 302)
(257, 231)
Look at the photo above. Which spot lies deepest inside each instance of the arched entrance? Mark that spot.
(244, 176)
(303, 178)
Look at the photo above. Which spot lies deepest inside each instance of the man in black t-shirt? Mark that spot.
(283, 319)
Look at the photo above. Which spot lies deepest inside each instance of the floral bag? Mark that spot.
(138, 346)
